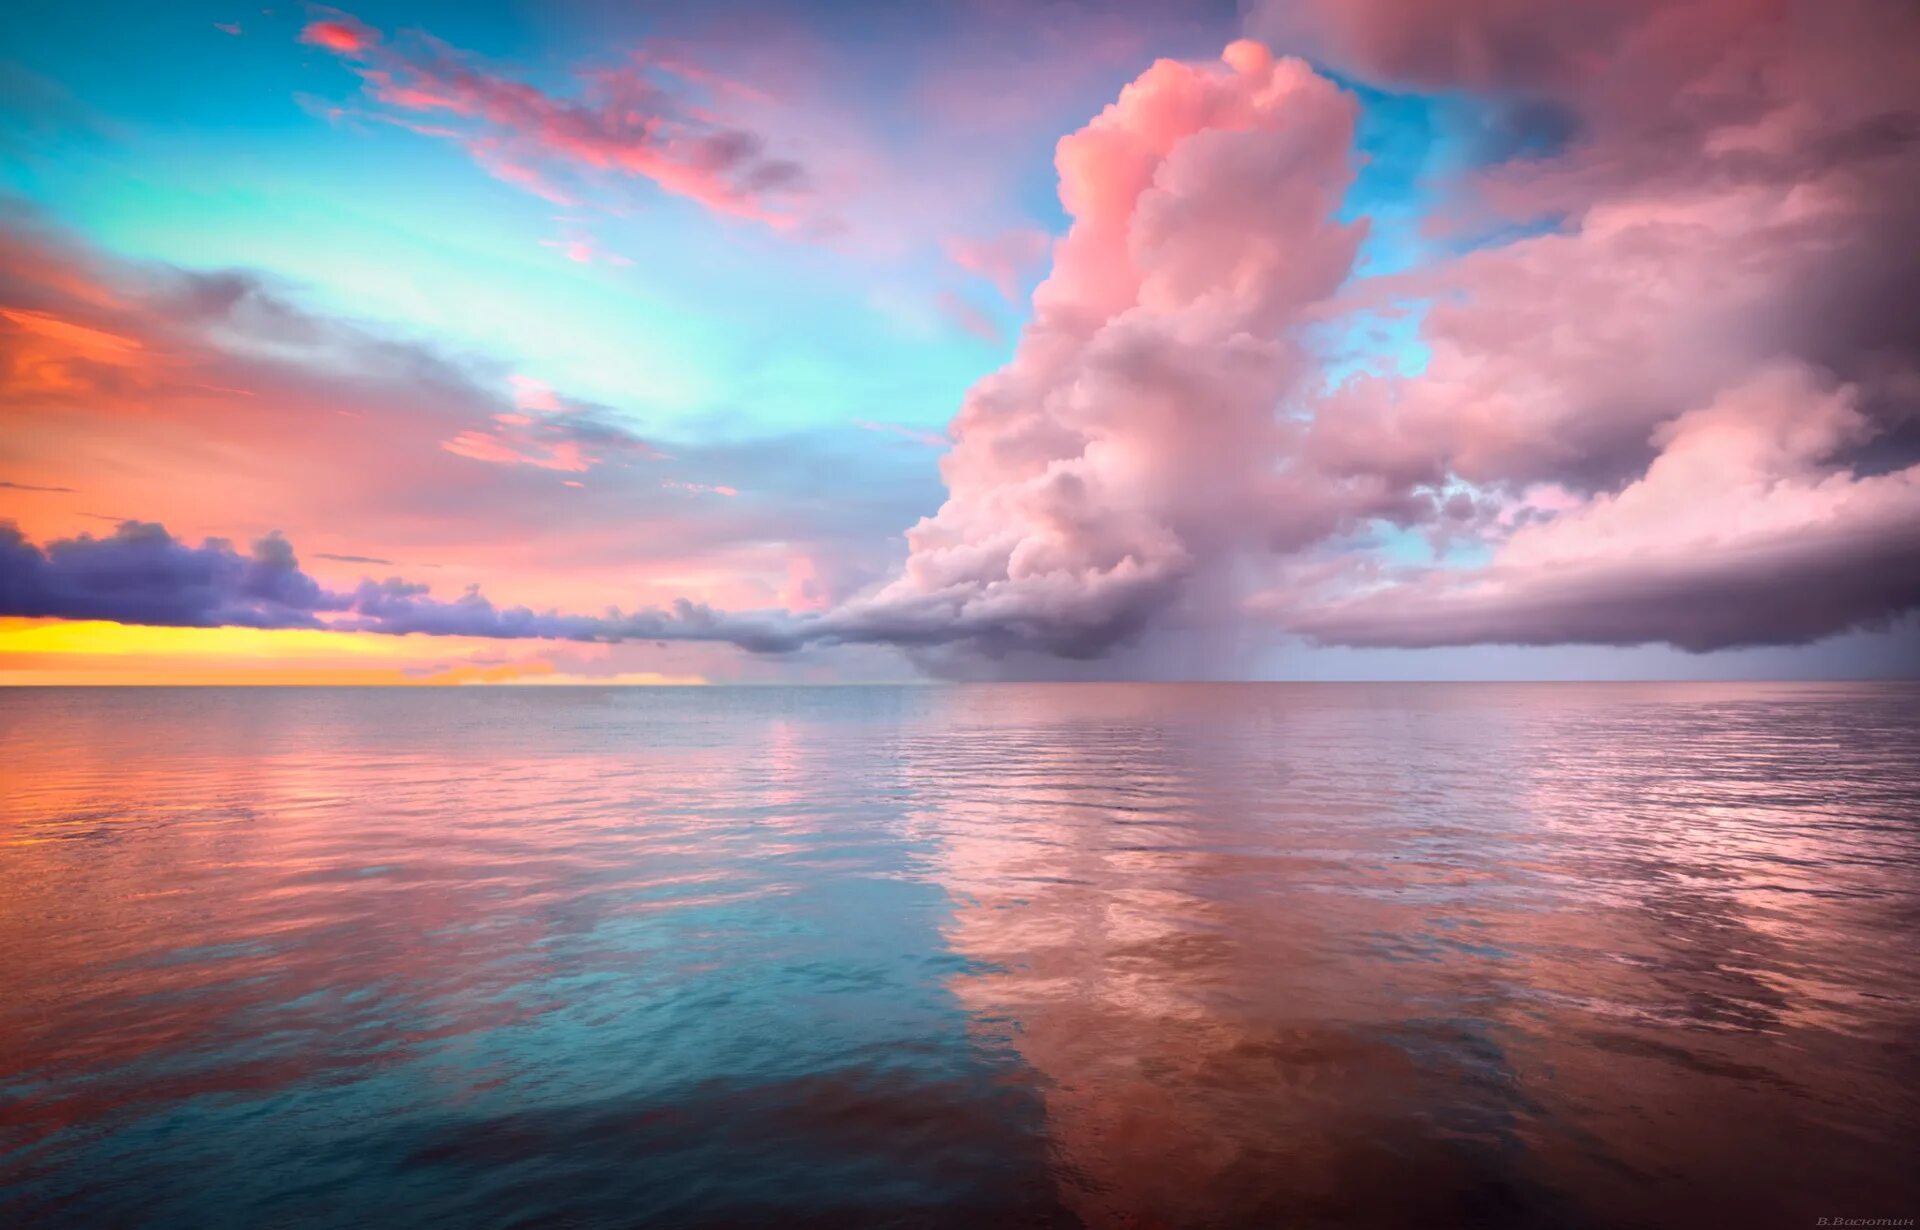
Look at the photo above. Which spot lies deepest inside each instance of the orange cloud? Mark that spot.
(42, 354)
(478, 447)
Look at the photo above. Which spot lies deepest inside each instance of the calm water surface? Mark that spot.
(1097, 955)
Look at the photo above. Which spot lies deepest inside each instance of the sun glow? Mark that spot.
(69, 652)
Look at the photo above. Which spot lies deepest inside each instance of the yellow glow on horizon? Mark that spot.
(65, 653)
(98, 637)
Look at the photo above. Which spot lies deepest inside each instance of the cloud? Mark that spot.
(968, 318)
(1467, 44)
(1717, 231)
(143, 575)
(1705, 297)
(1130, 445)
(1005, 260)
(579, 245)
(1552, 358)
(911, 435)
(1685, 246)
(341, 35)
(1741, 532)
(12, 486)
(550, 433)
(149, 386)
(625, 122)
(353, 559)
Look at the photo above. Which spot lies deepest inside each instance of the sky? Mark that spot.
(582, 341)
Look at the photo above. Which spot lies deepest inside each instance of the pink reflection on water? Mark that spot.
(1506, 946)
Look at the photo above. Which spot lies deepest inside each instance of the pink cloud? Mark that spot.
(928, 438)
(1129, 444)
(1729, 209)
(531, 394)
(580, 246)
(968, 318)
(547, 431)
(1553, 357)
(578, 251)
(341, 35)
(1005, 259)
(625, 123)
(479, 446)
(680, 66)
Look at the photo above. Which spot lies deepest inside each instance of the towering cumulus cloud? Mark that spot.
(1132, 447)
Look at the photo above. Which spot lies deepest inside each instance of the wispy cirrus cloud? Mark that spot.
(912, 435)
(629, 121)
(549, 432)
(1005, 260)
(580, 245)
(968, 317)
(353, 559)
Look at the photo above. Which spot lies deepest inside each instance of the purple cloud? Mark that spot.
(141, 574)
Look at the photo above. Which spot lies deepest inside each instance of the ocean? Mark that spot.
(1104, 955)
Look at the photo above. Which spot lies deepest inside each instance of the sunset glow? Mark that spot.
(1294, 341)
(1105, 614)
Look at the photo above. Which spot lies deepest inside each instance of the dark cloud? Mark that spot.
(141, 574)
(1795, 591)
(4, 485)
(1741, 532)
(353, 559)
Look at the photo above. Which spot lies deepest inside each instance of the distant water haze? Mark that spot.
(1102, 955)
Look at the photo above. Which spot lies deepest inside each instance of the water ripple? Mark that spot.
(1098, 955)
